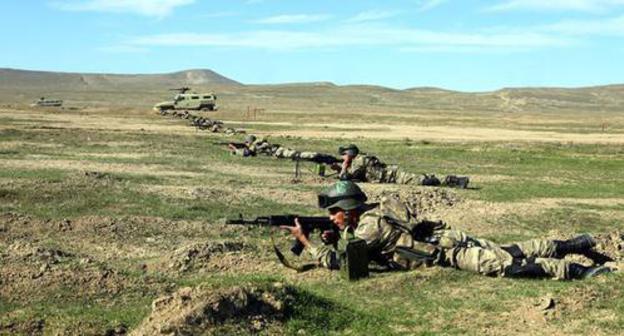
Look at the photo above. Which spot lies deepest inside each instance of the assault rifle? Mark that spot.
(233, 143)
(322, 159)
(308, 224)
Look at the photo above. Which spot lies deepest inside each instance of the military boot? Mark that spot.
(453, 181)
(529, 270)
(577, 245)
(578, 271)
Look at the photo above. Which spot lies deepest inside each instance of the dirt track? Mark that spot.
(152, 123)
(445, 134)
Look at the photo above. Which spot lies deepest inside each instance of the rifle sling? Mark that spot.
(282, 258)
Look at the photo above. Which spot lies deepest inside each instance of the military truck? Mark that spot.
(43, 102)
(186, 100)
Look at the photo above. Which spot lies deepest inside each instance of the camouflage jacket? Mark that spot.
(378, 227)
(262, 146)
(366, 168)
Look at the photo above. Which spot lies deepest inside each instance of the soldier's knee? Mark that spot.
(479, 260)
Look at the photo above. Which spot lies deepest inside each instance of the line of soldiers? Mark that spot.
(203, 123)
(389, 234)
(352, 164)
(253, 146)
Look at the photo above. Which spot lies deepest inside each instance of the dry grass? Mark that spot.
(133, 230)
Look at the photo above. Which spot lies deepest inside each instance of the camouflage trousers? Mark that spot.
(488, 258)
(243, 152)
(392, 174)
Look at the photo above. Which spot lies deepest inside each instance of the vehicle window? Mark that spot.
(207, 97)
(194, 97)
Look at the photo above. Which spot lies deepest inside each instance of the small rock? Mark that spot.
(85, 260)
(44, 267)
(117, 331)
(545, 303)
(65, 225)
(257, 323)
(142, 267)
(161, 302)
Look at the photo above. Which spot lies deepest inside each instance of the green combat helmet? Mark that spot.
(351, 150)
(345, 195)
(250, 138)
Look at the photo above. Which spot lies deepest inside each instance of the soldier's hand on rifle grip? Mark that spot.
(329, 237)
(297, 232)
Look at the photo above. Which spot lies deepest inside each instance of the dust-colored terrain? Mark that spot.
(111, 215)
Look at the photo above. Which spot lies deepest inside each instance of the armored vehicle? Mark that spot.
(47, 102)
(186, 100)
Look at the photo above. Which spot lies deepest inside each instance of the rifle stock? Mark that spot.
(235, 144)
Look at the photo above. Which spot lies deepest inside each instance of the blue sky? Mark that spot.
(465, 45)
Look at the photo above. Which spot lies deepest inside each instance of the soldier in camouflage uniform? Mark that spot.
(245, 149)
(368, 168)
(289, 153)
(254, 146)
(393, 237)
(263, 146)
(228, 131)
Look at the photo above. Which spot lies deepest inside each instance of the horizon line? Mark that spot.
(589, 86)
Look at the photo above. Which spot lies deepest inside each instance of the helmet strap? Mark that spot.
(351, 218)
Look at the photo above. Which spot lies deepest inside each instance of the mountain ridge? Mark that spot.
(13, 77)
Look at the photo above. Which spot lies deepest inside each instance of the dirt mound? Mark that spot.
(29, 272)
(423, 201)
(238, 310)
(29, 252)
(611, 245)
(31, 327)
(196, 256)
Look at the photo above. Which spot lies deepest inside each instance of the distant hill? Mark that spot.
(23, 86)
(12, 78)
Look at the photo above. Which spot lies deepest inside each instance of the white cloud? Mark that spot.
(372, 16)
(462, 50)
(426, 5)
(219, 14)
(156, 8)
(603, 27)
(589, 6)
(123, 49)
(355, 36)
(295, 18)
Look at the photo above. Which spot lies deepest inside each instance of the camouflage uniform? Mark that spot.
(289, 153)
(229, 131)
(263, 146)
(244, 152)
(216, 128)
(446, 247)
(368, 168)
